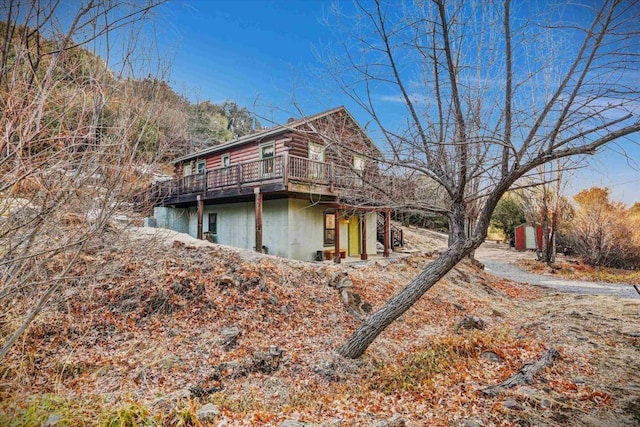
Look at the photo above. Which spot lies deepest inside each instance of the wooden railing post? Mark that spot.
(239, 168)
(332, 175)
(285, 167)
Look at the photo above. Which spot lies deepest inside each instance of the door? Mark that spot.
(354, 236)
(530, 238)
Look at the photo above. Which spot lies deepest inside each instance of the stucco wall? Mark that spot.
(291, 228)
(306, 229)
(236, 225)
(172, 218)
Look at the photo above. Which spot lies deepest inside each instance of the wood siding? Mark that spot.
(341, 137)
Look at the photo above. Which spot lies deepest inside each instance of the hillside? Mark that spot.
(172, 323)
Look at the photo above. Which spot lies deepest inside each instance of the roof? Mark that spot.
(261, 135)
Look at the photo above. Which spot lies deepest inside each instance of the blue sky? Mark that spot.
(261, 54)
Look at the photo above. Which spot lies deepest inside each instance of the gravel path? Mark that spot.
(500, 261)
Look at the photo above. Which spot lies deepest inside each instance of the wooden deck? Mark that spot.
(281, 174)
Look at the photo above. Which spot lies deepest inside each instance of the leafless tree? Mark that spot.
(70, 150)
(472, 96)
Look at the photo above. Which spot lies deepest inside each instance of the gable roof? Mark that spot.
(261, 135)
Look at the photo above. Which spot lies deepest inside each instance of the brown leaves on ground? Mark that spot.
(150, 341)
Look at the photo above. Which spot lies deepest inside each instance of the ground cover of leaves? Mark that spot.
(146, 342)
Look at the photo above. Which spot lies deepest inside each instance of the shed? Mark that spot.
(526, 237)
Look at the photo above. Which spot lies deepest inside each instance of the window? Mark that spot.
(226, 160)
(316, 167)
(316, 152)
(358, 163)
(329, 228)
(186, 169)
(213, 223)
(267, 155)
(201, 167)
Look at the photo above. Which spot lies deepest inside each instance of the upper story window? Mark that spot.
(267, 155)
(187, 169)
(201, 167)
(316, 152)
(267, 150)
(358, 163)
(225, 160)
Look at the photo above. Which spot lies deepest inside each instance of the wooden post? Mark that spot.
(258, 195)
(387, 234)
(200, 215)
(336, 257)
(285, 167)
(332, 176)
(363, 246)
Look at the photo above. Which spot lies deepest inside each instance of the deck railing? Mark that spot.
(283, 168)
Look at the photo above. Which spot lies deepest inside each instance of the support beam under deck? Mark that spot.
(363, 246)
(200, 215)
(336, 257)
(258, 196)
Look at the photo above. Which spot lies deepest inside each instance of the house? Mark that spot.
(288, 191)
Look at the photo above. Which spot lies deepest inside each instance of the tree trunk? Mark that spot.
(360, 340)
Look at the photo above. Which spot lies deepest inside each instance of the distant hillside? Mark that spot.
(167, 123)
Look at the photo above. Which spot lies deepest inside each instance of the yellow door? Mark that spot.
(354, 236)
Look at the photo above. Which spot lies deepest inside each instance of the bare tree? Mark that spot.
(482, 96)
(71, 148)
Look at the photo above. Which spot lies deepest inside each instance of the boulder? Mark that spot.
(229, 336)
(395, 421)
(208, 412)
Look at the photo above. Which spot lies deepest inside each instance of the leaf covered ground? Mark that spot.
(138, 338)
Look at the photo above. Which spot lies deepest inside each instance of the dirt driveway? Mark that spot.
(500, 260)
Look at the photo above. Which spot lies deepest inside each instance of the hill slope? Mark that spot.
(178, 323)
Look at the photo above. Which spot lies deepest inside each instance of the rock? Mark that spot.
(227, 281)
(491, 356)
(52, 420)
(471, 322)
(169, 401)
(295, 423)
(170, 362)
(512, 404)
(208, 412)
(394, 421)
(527, 391)
(229, 336)
(273, 300)
(545, 403)
(459, 306)
(471, 422)
(266, 362)
(353, 302)
(336, 277)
